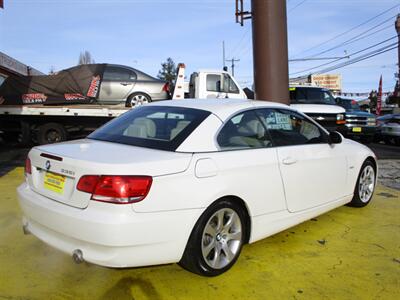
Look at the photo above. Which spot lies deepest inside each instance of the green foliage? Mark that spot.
(168, 71)
(373, 98)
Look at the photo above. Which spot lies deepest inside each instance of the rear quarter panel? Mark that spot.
(226, 175)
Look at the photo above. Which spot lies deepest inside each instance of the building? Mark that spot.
(12, 67)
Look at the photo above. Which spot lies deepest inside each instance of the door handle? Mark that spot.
(125, 83)
(289, 161)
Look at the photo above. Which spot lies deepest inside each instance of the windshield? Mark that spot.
(350, 105)
(157, 127)
(311, 95)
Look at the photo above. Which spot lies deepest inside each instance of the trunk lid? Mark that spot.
(57, 168)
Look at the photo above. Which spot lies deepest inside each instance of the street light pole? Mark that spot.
(397, 25)
(270, 50)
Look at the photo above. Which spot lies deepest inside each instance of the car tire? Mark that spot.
(365, 185)
(137, 99)
(51, 133)
(216, 240)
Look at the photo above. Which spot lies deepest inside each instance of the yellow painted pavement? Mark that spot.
(348, 253)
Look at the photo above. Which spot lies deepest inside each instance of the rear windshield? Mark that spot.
(157, 127)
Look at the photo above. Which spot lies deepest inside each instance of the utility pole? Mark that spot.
(397, 25)
(270, 50)
(233, 60)
(223, 55)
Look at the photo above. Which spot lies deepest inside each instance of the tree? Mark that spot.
(85, 58)
(168, 71)
(373, 98)
(395, 97)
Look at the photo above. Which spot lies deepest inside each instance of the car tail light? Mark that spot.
(88, 183)
(115, 189)
(166, 87)
(28, 166)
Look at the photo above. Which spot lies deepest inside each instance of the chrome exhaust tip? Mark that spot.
(77, 256)
(25, 229)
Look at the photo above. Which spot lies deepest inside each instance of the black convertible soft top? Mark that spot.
(76, 85)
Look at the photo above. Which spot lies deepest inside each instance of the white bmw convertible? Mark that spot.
(189, 181)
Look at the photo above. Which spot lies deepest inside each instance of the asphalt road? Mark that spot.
(383, 151)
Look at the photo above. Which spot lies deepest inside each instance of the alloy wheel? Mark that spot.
(138, 100)
(222, 238)
(366, 184)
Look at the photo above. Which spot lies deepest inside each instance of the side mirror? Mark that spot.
(335, 137)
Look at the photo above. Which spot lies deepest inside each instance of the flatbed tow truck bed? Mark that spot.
(43, 124)
(70, 110)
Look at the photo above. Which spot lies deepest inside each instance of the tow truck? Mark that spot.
(40, 124)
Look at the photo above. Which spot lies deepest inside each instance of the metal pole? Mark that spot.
(232, 61)
(397, 25)
(223, 55)
(270, 50)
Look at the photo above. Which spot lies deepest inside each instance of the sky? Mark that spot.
(49, 34)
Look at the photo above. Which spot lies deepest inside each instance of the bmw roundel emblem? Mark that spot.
(48, 165)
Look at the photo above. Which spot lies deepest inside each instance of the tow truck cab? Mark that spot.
(214, 84)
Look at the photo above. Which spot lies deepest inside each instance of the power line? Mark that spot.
(354, 38)
(296, 6)
(356, 60)
(240, 41)
(317, 58)
(349, 55)
(351, 41)
(350, 30)
(353, 61)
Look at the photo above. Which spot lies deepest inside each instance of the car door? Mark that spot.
(214, 87)
(248, 164)
(117, 84)
(313, 171)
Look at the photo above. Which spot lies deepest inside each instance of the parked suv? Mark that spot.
(319, 104)
(359, 124)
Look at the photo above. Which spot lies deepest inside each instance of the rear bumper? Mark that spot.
(107, 235)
